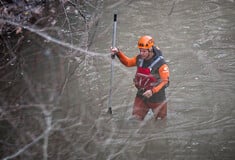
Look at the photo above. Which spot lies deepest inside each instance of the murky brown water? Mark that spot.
(197, 38)
(198, 41)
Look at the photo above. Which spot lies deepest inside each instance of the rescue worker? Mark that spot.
(151, 78)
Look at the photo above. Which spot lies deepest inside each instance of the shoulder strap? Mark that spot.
(157, 51)
(159, 60)
(157, 63)
(139, 61)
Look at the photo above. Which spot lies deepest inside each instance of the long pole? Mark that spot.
(112, 58)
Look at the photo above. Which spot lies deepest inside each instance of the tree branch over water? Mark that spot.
(51, 39)
(39, 61)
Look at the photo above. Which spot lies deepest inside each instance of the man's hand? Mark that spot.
(114, 51)
(148, 93)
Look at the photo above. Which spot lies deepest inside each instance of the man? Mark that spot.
(151, 78)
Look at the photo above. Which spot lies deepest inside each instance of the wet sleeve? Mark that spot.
(164, 76)
(129, 62)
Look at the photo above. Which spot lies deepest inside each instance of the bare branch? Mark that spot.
(49, 38)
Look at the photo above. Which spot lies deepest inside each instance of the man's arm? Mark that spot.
(164, 76)
(129, 62)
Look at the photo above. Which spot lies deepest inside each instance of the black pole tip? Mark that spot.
(110, 111)
(115, 17)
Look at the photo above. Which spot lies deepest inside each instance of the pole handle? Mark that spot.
(114, 32)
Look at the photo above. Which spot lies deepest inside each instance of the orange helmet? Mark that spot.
(145, 42)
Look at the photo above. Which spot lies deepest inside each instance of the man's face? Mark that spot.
(144, 53)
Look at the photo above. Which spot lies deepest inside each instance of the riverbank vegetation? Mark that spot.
(34, 74)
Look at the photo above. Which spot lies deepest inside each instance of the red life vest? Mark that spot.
(144, 79)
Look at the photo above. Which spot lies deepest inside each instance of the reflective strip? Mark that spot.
(152, 64)
(141, 62)
(140, 81)
(146, 82)
(155, 62)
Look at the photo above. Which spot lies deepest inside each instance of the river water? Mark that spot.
(197, 38)
(198, 41)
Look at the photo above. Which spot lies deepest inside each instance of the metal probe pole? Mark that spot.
(112, 58)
